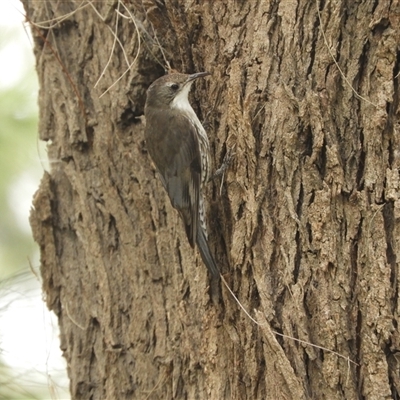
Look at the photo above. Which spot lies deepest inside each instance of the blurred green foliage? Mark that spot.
(20, 170)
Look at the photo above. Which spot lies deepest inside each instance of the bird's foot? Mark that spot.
(225, 164)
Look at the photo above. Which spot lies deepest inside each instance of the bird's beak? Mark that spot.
(196, 75)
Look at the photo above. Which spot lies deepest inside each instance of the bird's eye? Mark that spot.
(174, 86)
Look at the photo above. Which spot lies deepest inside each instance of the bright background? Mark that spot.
(31, 365)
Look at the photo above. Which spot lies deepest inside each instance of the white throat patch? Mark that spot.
(181, 100)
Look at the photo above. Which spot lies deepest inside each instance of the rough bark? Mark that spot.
(306, 227)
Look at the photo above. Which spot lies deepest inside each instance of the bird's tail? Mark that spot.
(205, 252)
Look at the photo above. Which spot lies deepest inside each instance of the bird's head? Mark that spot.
(172, 90)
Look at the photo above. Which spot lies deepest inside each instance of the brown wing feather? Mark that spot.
(176, 152)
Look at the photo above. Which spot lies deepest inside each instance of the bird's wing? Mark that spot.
(177, 156)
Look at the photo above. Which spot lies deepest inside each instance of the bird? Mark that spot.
(178, 145)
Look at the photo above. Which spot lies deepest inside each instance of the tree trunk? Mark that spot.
(305, 228)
